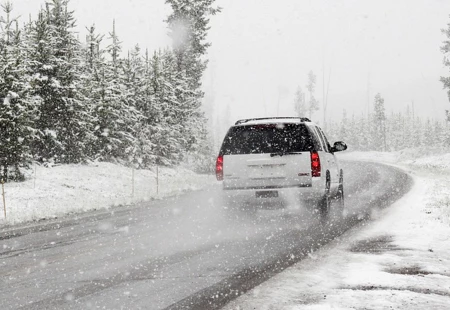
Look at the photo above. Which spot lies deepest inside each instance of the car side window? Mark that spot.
(319, 145)
(327, 142)
(324, 138)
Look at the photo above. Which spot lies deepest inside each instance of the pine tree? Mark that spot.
(93, 52)
(445, 49)
(149, 111)
(394, 129)
(379, 124)
(93, 88)
(447, 133)
(417, 132)
(299, 103)
(439, 133)
(55, 63)
(313, 104)
(428, 135)
(166, 119)
(16, 110)
(188, 24)
(352, 137)
(343, 132)
(364, 135)
(134, 104)
(111, 116)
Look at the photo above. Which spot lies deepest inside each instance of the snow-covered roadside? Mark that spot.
(59, 190)
(400, 261)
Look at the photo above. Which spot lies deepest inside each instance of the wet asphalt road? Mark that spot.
(185, 252)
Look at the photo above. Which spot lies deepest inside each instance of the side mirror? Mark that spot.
(338, 147)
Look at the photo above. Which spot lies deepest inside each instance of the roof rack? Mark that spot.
(243, 121)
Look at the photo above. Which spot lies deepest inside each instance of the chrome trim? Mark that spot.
(266, 165)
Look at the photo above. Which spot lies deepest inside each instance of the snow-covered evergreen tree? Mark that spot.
(351, 138)
(379, 124)
(55, 61)
(299, 103)
(447, 133)
(166, 118)
(439, 133)
(364, 132)
(313, 104)
(417, 133)
(445, 49)
(111, 116)
(428, 134)
(16, 107)
(188, 24)
(344, 130)
(93, 88)
(395, 131)
(133, 102)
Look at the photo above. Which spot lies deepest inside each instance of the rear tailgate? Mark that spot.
(263, 171)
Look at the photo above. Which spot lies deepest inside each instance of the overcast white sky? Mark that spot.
(263, 49)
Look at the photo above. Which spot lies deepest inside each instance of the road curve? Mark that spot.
(186, 252)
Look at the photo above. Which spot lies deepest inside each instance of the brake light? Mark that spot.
(219, 168)
(315, 164)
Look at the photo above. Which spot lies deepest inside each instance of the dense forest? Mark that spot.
(66, 100)
(381, 131)
(377, 130)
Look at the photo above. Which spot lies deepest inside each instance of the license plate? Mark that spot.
(267, 194)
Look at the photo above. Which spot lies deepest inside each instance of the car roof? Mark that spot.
(273, 120)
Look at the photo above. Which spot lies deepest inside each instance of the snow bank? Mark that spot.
(51, 192)
(430, 164)
(418, 157)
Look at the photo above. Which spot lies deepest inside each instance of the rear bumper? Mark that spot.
(266, 187)
(285, 194)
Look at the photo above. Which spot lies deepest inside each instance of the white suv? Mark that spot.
(280, 158)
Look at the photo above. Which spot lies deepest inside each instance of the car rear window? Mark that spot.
(272, 138)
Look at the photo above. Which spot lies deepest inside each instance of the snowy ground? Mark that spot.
(51, 192)
(401, 260)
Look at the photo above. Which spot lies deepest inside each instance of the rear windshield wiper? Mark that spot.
(283, 153)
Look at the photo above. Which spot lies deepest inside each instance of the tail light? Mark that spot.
(315, 164)
(219, 168)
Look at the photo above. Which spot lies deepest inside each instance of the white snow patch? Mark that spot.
(51, 192)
